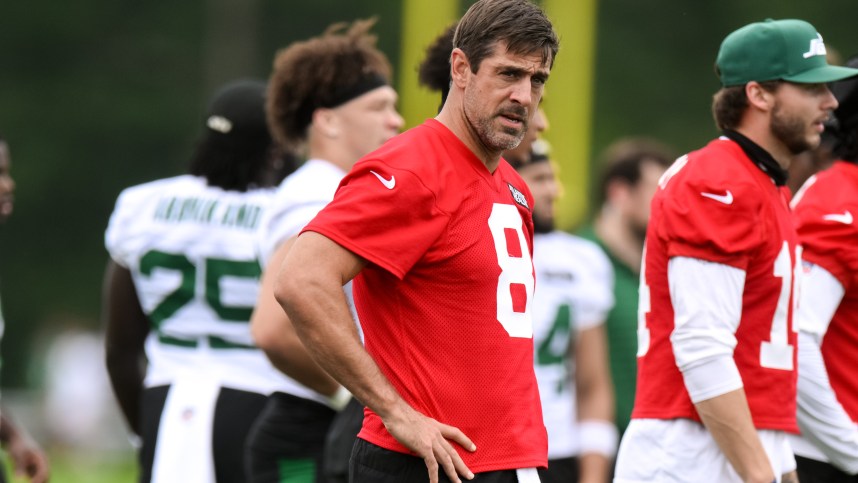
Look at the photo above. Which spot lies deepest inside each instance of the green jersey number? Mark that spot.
(554, 349)
(214, 270)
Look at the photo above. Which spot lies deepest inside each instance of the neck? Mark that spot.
(619, 238)
(761, 156)
(763, 138)
(330, 152)
(452, 116)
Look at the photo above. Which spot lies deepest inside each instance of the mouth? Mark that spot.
(512, 119)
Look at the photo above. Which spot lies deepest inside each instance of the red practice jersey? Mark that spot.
(444, 300)
(716, 205)
(829, 235)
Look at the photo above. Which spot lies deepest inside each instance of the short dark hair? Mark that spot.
(843, 126)
(235, 151)
(622, 161)
(434, 71)
(729, 104)
(523, 26)
(315, 73)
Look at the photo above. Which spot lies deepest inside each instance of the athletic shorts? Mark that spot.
(813, 471)
(373, 464)
(234, 413)
(560, 470)
(286, 442)
(340, 441)
(682, 450)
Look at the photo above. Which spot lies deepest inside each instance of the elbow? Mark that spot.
(694, 347)
(262, 333)
(286, 290)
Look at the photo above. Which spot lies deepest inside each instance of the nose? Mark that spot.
(396, 120)
(830, 102)
(540, 122)
(521, 92)
(554, 189)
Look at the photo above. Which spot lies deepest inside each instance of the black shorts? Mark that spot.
(813, 471)
(373, 464)
(340, 441)
(235, 412)
(286, 441)
(560, 470)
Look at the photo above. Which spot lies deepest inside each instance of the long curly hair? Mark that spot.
(309, 74)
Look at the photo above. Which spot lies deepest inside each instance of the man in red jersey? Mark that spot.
(716, 346)
(827, 316)
(436, 231)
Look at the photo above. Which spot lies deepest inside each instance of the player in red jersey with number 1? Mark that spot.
(825, 209)
(436, 231)
(716, 344)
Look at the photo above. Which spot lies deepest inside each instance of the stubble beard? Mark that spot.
(791, 131)
(543, 224)
(493, 139)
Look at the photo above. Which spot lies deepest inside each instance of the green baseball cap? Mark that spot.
(790, 50)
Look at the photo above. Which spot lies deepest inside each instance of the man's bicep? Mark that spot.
(707, 301)
(315, 254)
(820, 296)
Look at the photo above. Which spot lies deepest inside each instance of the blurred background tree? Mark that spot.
(96, 96)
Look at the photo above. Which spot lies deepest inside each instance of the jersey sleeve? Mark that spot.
(594, 308)
(280, 225)
(386, 215)
(828, 241)
(117, 237)
(712, 221)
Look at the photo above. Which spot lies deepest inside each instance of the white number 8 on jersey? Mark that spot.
(515, 282)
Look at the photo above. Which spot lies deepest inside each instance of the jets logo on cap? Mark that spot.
(518, 196)
(816, 47)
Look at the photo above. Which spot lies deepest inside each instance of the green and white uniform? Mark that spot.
(190, 250)
(574, 282)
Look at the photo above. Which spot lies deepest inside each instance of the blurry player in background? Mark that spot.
(434, 71)
(329, 97)
(630, 169)
(573, 294)
(716, 383)
(826, 210)
(26, 456)
(180, 287)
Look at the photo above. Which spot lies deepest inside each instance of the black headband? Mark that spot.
(347, 92)
(342, 95)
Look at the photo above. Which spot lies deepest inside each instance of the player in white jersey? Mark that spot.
(179, 289)
(330, 96)
(574, 292)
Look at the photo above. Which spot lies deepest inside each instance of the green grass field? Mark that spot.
(68, 469)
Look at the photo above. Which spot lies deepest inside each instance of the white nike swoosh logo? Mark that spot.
(388, 183)
(845, 217)
(726, 198)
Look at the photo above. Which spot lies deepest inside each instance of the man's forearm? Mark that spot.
(274, 333)
(126, 378)
(309, 287)
(728, 419)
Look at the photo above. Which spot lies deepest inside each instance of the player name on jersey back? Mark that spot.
(177, 209)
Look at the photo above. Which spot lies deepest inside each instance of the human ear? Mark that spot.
(460, 67)
(759, 97)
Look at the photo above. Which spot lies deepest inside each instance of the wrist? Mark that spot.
(340, 399)
(598, 436)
